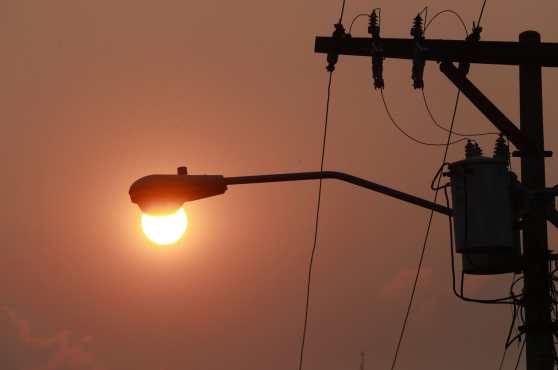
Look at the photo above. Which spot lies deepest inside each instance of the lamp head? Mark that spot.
(165, 194)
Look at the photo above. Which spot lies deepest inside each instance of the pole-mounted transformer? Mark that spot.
(484, 211)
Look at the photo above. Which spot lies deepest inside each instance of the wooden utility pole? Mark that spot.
(538, 325)
(530, 55)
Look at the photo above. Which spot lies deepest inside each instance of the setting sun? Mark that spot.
(164, 230)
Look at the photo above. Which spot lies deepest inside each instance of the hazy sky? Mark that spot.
(96, 94)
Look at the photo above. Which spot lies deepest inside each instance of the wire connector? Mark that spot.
(338, 34)
(377, 51)
(418, 59)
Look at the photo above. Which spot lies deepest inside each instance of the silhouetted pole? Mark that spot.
(530, 55)
(538, 322)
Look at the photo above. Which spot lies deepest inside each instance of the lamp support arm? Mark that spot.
(300, 176)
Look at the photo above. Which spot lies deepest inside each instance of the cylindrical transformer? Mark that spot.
(482, 209)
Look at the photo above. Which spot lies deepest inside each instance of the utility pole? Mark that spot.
(530, 55)
(538, 330)
(164, 193)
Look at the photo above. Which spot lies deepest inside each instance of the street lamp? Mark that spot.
(162, 195)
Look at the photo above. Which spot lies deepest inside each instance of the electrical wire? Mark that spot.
(342, 12)
(435, 121)
(425, 243)
(450, 11)
(425, 12)
(519, 356)
(425, 100)
(418, 141)
(481, 13)
(317, 219)
(514, 316)
(503, 358)
(355, 18)
(516, 306)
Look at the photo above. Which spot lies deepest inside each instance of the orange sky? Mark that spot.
(96, 94)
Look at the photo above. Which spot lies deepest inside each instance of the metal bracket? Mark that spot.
(485, 106)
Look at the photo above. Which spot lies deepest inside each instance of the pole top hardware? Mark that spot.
(339, 34)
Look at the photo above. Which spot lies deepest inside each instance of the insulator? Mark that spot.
(501, 149)
(418, 59)
(332, 58)
(373, 26)
(377, 58)
(472, 149)
(469, 148)
(416, 30)
(478, 150)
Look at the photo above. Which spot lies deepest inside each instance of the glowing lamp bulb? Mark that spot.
(165, 230)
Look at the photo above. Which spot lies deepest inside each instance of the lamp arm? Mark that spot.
(299, 176)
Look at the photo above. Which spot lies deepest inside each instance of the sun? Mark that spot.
(165, 230)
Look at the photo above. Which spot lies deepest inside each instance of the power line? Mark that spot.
(342, 12)
(519, 356)
(450, 11)
(366, 15)
(503, 358)
(312, 255)
(437, 124)
(426, 105)
(481, 13)
(425, 243)
(506, 346)
(418, 141)
(317, 218)
(355, 18)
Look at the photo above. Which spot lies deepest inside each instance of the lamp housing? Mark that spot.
(165, 194)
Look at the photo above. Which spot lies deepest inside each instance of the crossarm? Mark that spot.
(482, 52)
